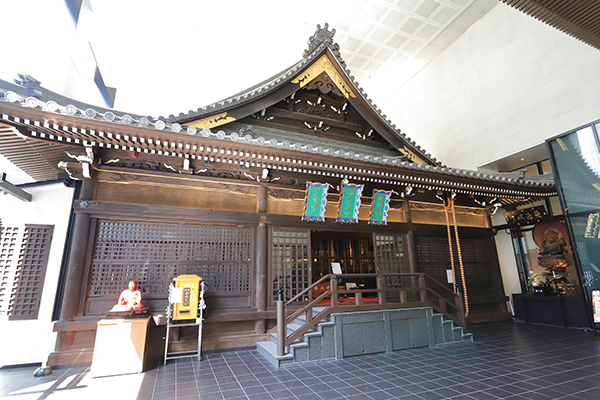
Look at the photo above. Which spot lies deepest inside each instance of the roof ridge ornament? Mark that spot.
(29, 82)
(322, 35)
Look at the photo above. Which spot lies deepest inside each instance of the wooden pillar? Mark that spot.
(411, 252)
(75, 270)
(410, 241)
(262, 255)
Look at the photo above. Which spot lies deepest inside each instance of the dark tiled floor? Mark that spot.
(506, 361)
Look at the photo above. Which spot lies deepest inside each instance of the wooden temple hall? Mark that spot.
(297, 184)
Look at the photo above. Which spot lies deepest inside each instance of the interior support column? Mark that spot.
(261, 261)
(410, 241)
(75, 271)
(410, 248)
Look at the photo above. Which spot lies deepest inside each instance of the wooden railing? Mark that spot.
(392, 291)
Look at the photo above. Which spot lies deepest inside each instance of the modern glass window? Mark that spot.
(577, 160)
(576, 165)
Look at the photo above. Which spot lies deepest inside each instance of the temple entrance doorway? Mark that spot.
(359, 253)
(354, 252)
(301, 257)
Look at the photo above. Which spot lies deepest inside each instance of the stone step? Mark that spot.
(457, 334)
(448, 331)
(438, 332)
(269, 351)
(320, 343)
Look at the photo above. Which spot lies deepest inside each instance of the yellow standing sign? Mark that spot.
(184, 297)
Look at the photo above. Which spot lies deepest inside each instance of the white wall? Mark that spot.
(506, 257)
(507, 83)
(31, 341)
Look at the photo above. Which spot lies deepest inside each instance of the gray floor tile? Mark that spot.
(506, 361)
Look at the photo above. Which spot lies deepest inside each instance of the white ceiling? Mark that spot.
(221, 48)
(387, 34)
(170, 57)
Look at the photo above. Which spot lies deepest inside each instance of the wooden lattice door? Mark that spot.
(290, 262)
(389, 256)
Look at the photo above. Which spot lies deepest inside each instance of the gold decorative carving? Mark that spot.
(295, 182)
(286, 194)
(420, 206)
(412, 156)
(118, 177)
(225, 174)
(323, 64)
(396, 205)
(148, 165)
(324, 85)
(212, 121)
(242, 189)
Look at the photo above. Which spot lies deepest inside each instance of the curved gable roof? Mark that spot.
(321, 56)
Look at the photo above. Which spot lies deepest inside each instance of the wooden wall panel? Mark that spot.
(296, 207)
(177, 196)
(433, 214)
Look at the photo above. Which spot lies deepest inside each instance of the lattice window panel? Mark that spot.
(154, 253)
(433, 255)
(389, 250)
(290, 261)
(10, 238)
(166, 242)
(22, 274)
(110, 279)
(434, 258)
(476, 260)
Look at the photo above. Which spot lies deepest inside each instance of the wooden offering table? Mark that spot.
(121, 346)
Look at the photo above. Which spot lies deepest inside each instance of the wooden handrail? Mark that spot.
(444, 299)
(305, 291)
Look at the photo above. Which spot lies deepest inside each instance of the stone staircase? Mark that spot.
(366, 332)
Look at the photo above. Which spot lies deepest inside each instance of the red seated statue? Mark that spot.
(130, 299)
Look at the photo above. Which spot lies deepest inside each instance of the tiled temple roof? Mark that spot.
(51, 102)
(321, 40)
(28, 93)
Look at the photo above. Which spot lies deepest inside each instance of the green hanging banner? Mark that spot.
(315, 201)
(380, 207)
(349, 203)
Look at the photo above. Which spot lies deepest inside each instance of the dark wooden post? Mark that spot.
(410, 247)
(75, 271)
(333, 287)
(422, 289)
(262, 255)
(381, 289)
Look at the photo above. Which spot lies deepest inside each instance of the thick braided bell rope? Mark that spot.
(450, 242)
(460, 260)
